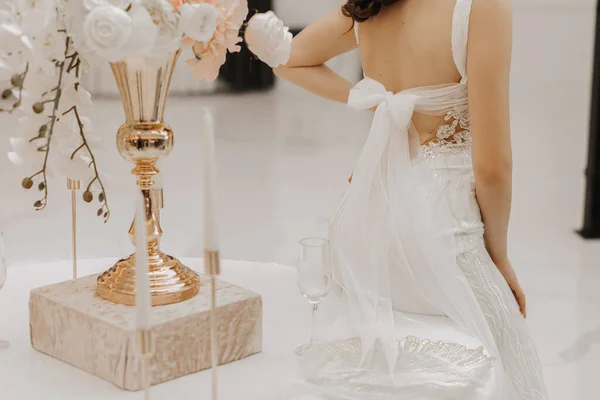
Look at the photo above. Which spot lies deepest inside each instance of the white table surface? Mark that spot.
(26, 374)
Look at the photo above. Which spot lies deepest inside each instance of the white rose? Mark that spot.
(106, 29)
(269, 39)
(144, 35)
(91, 4)
(199, 21)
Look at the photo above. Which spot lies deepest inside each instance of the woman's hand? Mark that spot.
(510, 276)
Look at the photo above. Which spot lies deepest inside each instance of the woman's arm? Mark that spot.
(488, 66)
(328, 37)
(490, 48)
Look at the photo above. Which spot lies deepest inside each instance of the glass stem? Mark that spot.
(315, 307)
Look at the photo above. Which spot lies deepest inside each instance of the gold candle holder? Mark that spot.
(212, 268)
(145, 139)
(146, 346)
(74, 185)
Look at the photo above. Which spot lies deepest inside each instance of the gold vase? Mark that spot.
(144, 139)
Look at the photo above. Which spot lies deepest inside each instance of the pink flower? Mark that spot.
(208, 60)
(177, 3)
(211, 55)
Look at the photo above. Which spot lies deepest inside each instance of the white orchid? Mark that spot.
(6, 71)
(199, 21)
(50, 45)
(40, 63)
(167, 22)
(75, 167)
(35, 15)
(30, 125)
(79, 97)
(7, 17)
(24, 154)
(93, 141)
(10, 37)
(38, 83)
(144, 36)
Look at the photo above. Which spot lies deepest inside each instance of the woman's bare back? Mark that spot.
(408, 45)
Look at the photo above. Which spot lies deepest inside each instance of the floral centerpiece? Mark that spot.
(46, 46)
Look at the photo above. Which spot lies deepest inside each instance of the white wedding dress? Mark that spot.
(408, 237)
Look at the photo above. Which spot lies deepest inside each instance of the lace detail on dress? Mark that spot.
(456, 128)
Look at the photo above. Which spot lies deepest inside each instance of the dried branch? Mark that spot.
(105, 208)
(41, 204)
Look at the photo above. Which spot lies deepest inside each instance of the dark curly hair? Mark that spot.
(362, 10)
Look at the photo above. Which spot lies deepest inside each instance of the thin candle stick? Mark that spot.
(211, 239)
(211, 234)
(214, 349)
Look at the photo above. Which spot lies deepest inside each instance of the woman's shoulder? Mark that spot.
(490, 20)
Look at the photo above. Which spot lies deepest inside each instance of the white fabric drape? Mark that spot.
(384, 235)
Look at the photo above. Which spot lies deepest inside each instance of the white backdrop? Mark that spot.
(552, 48)
(299, 14)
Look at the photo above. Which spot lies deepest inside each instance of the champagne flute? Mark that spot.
(314, 274)
(4, 344)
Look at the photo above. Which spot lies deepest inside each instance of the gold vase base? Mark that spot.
(170, 281)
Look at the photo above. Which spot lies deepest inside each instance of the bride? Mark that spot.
(423, 226)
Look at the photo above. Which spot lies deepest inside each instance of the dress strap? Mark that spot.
(355, 27)
(460, 35)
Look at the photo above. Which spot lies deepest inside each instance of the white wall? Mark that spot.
(299, 13)
(555, 52)
(523, 4)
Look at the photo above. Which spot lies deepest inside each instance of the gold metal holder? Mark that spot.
(212, 267)
(74, 185)
(146, 346)
(145, 139)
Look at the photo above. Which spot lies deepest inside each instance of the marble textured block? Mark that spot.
(68, 321)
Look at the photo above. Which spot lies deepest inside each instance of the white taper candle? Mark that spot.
(211, 231)
(143, 303)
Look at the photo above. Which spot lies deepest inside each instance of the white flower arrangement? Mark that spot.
(46, 45)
